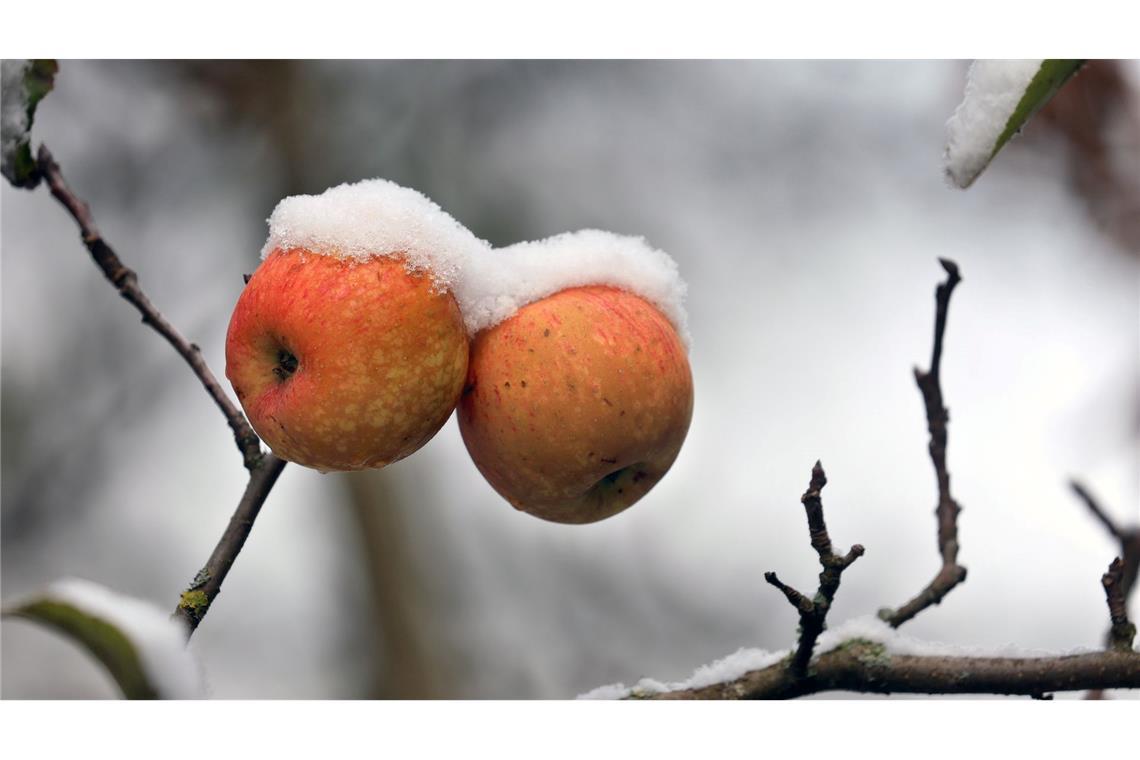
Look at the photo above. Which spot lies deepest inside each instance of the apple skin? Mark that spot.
(577, 404)
(345, 364)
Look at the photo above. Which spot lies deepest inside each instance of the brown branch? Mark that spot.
(1129, 538)
(867, 667)
(813, 612)
(126, 282)
(196, 600)
(937, 417)
(264, 469)
(1122, 632)
(1094, 506)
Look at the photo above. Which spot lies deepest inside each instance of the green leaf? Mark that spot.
(1001, 96)
(1053, 73)
(107, 643)
(25, 83)
(139, 645)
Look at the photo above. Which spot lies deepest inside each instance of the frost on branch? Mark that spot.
(1001, 96)
(867, 629)
(141, 646)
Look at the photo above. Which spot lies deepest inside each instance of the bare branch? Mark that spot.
(813, 612)
(1122, 632)
(1123, 580)
(126, 282)
(867, 667)
(1129, 538)
(937, 419)
(1094, 506)
(196, 600)
(264, 469)
(797, 600)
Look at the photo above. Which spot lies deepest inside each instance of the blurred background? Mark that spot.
(805, 204)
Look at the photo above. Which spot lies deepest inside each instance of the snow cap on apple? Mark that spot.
(499, 282)
(347, 348)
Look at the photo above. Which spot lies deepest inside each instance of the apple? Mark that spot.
(345, 363)
(578, 404)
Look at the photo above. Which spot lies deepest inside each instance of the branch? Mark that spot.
(1129, 538)
(196, 600)
(867, 667)
(126, 282)
(1124, 581)
(937, 418)
(1094, 506)
(813, 612)
(1122, 632)
(264, 469)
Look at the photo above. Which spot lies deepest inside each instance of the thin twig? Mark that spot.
(813, 612)
(1122, 632)
(1129, 538)
(126, 282)
(937, 417)
(264, 469)
(196, 600)
(1098, 512)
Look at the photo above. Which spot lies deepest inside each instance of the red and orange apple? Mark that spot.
(576, 405)
(345, 364)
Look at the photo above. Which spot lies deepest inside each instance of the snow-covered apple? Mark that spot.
(347, 348)
(578, 404)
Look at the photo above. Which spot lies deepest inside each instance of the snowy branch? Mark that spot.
(867, 655)
(813, 612)
(869, 660)
(869, 667)
(870, 655)
(263, 468)
(937, 418)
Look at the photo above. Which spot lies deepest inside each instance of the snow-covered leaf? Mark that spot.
(140, 645)
(23, 85)
(1001, 96)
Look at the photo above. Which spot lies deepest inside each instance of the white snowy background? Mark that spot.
(805, 205)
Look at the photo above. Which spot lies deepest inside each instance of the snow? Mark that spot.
(159, 640)
(867, 627)
(871, 628)
(502, 281)
(993, 90)
(372, 218)
(13, 107)
(380, 218)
